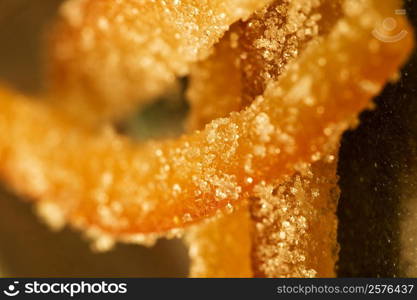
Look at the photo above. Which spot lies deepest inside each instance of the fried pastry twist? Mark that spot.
(98, 181)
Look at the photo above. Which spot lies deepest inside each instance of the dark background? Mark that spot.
(377, 160)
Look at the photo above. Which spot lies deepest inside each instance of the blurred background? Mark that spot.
(378, 178)
(27, 246)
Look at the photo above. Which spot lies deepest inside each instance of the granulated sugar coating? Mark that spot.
(301, 72)
(276, 35)
(273, 39)
(101, 180)
(295, 223)
(213, 245)
(255, 53)
(107, 55)
(221, 246)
